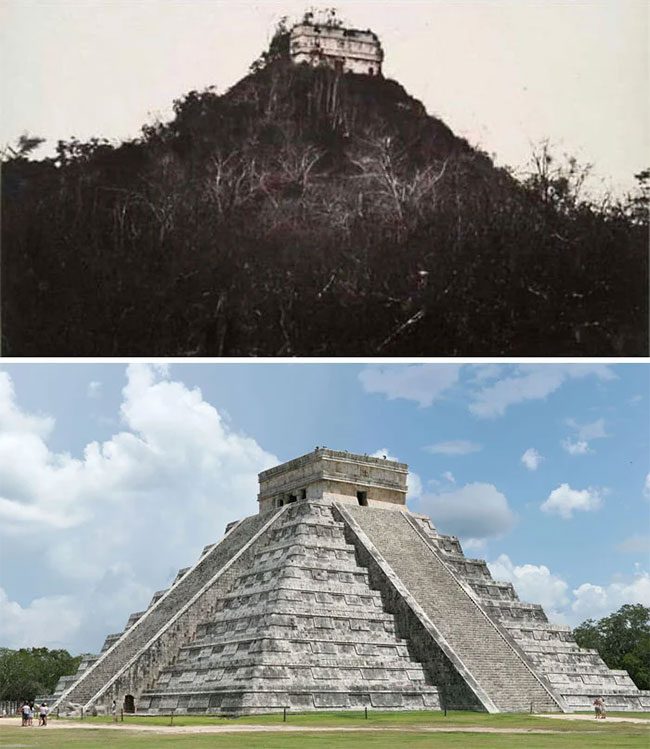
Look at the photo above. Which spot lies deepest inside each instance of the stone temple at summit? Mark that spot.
(335, 596)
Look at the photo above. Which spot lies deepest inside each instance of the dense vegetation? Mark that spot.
(29, 672)
(309, 213)
(622, 639)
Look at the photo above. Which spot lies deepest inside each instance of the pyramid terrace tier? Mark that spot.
(253, 700)
(493, 668)
(320, 604)
(282, 671)
(292, 594)
(145, 646)
(574, 673)
(302, 617)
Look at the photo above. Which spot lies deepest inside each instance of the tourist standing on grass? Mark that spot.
(599, 707)
(42, 714)
(30, 714)
(114, 711)
(24, 713)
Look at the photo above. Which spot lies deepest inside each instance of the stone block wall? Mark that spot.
(300, 628)
(105, 680)
(578, 675)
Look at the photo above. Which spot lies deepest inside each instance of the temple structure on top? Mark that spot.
(347, 50)
(334, 476)
(335, 596)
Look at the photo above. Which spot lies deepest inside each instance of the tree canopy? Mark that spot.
(622, 639)
(29, 672)
(305, 212)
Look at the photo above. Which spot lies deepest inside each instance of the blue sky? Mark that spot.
(113, 478)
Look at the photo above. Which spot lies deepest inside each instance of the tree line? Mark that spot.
(31, 672)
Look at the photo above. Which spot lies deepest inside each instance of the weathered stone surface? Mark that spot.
(300, 628)
(475, 647)
(577, 674)
(319, 602)
(154, 638)
(344, 49)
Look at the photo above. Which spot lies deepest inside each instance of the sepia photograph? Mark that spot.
(272, 179)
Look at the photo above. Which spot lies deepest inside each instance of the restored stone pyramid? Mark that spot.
(335, 596)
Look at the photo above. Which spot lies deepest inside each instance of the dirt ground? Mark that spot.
(252, 728)
(275, 728)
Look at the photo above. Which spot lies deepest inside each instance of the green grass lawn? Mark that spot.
(381, 719)
(93, 738)
(397, 730)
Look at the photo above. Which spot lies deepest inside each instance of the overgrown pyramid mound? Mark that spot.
(308, 211)
(335, 596)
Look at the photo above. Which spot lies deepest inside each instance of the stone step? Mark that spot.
(484, 650)
(297, 596)
(150, 623)
(298, 587)
(326, 641)
(300, 567)
(264, 700)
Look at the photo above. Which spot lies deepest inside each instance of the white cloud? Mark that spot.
(533, 583)
(585, 433)
(532, 459)
(646, 487)
(537, 584)
(595, 601)
(593, 431)
(415, 487)
(453, 447)
(576, 448)
(487, 372)
(150, 497)
(531, 383)
(46, 621)
(422, 383)
(636, 544)
(449, 476)
(413, 481)
(94, 389)
(564, 501)
(475, 511)
(13, 420)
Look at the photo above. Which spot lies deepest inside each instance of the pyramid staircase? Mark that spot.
(151, 637)
(300, 628)
(495, 669)
(323, 605)
(577, 674)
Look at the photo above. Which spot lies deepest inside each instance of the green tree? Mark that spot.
(622, 639)
(27, 672)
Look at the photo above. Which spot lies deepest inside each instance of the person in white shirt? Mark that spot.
(42, 714)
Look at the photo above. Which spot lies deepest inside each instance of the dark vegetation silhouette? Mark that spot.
(622, 639)
(306, 212)
(30, 672)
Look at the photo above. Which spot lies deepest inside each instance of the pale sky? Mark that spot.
(502, 74)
